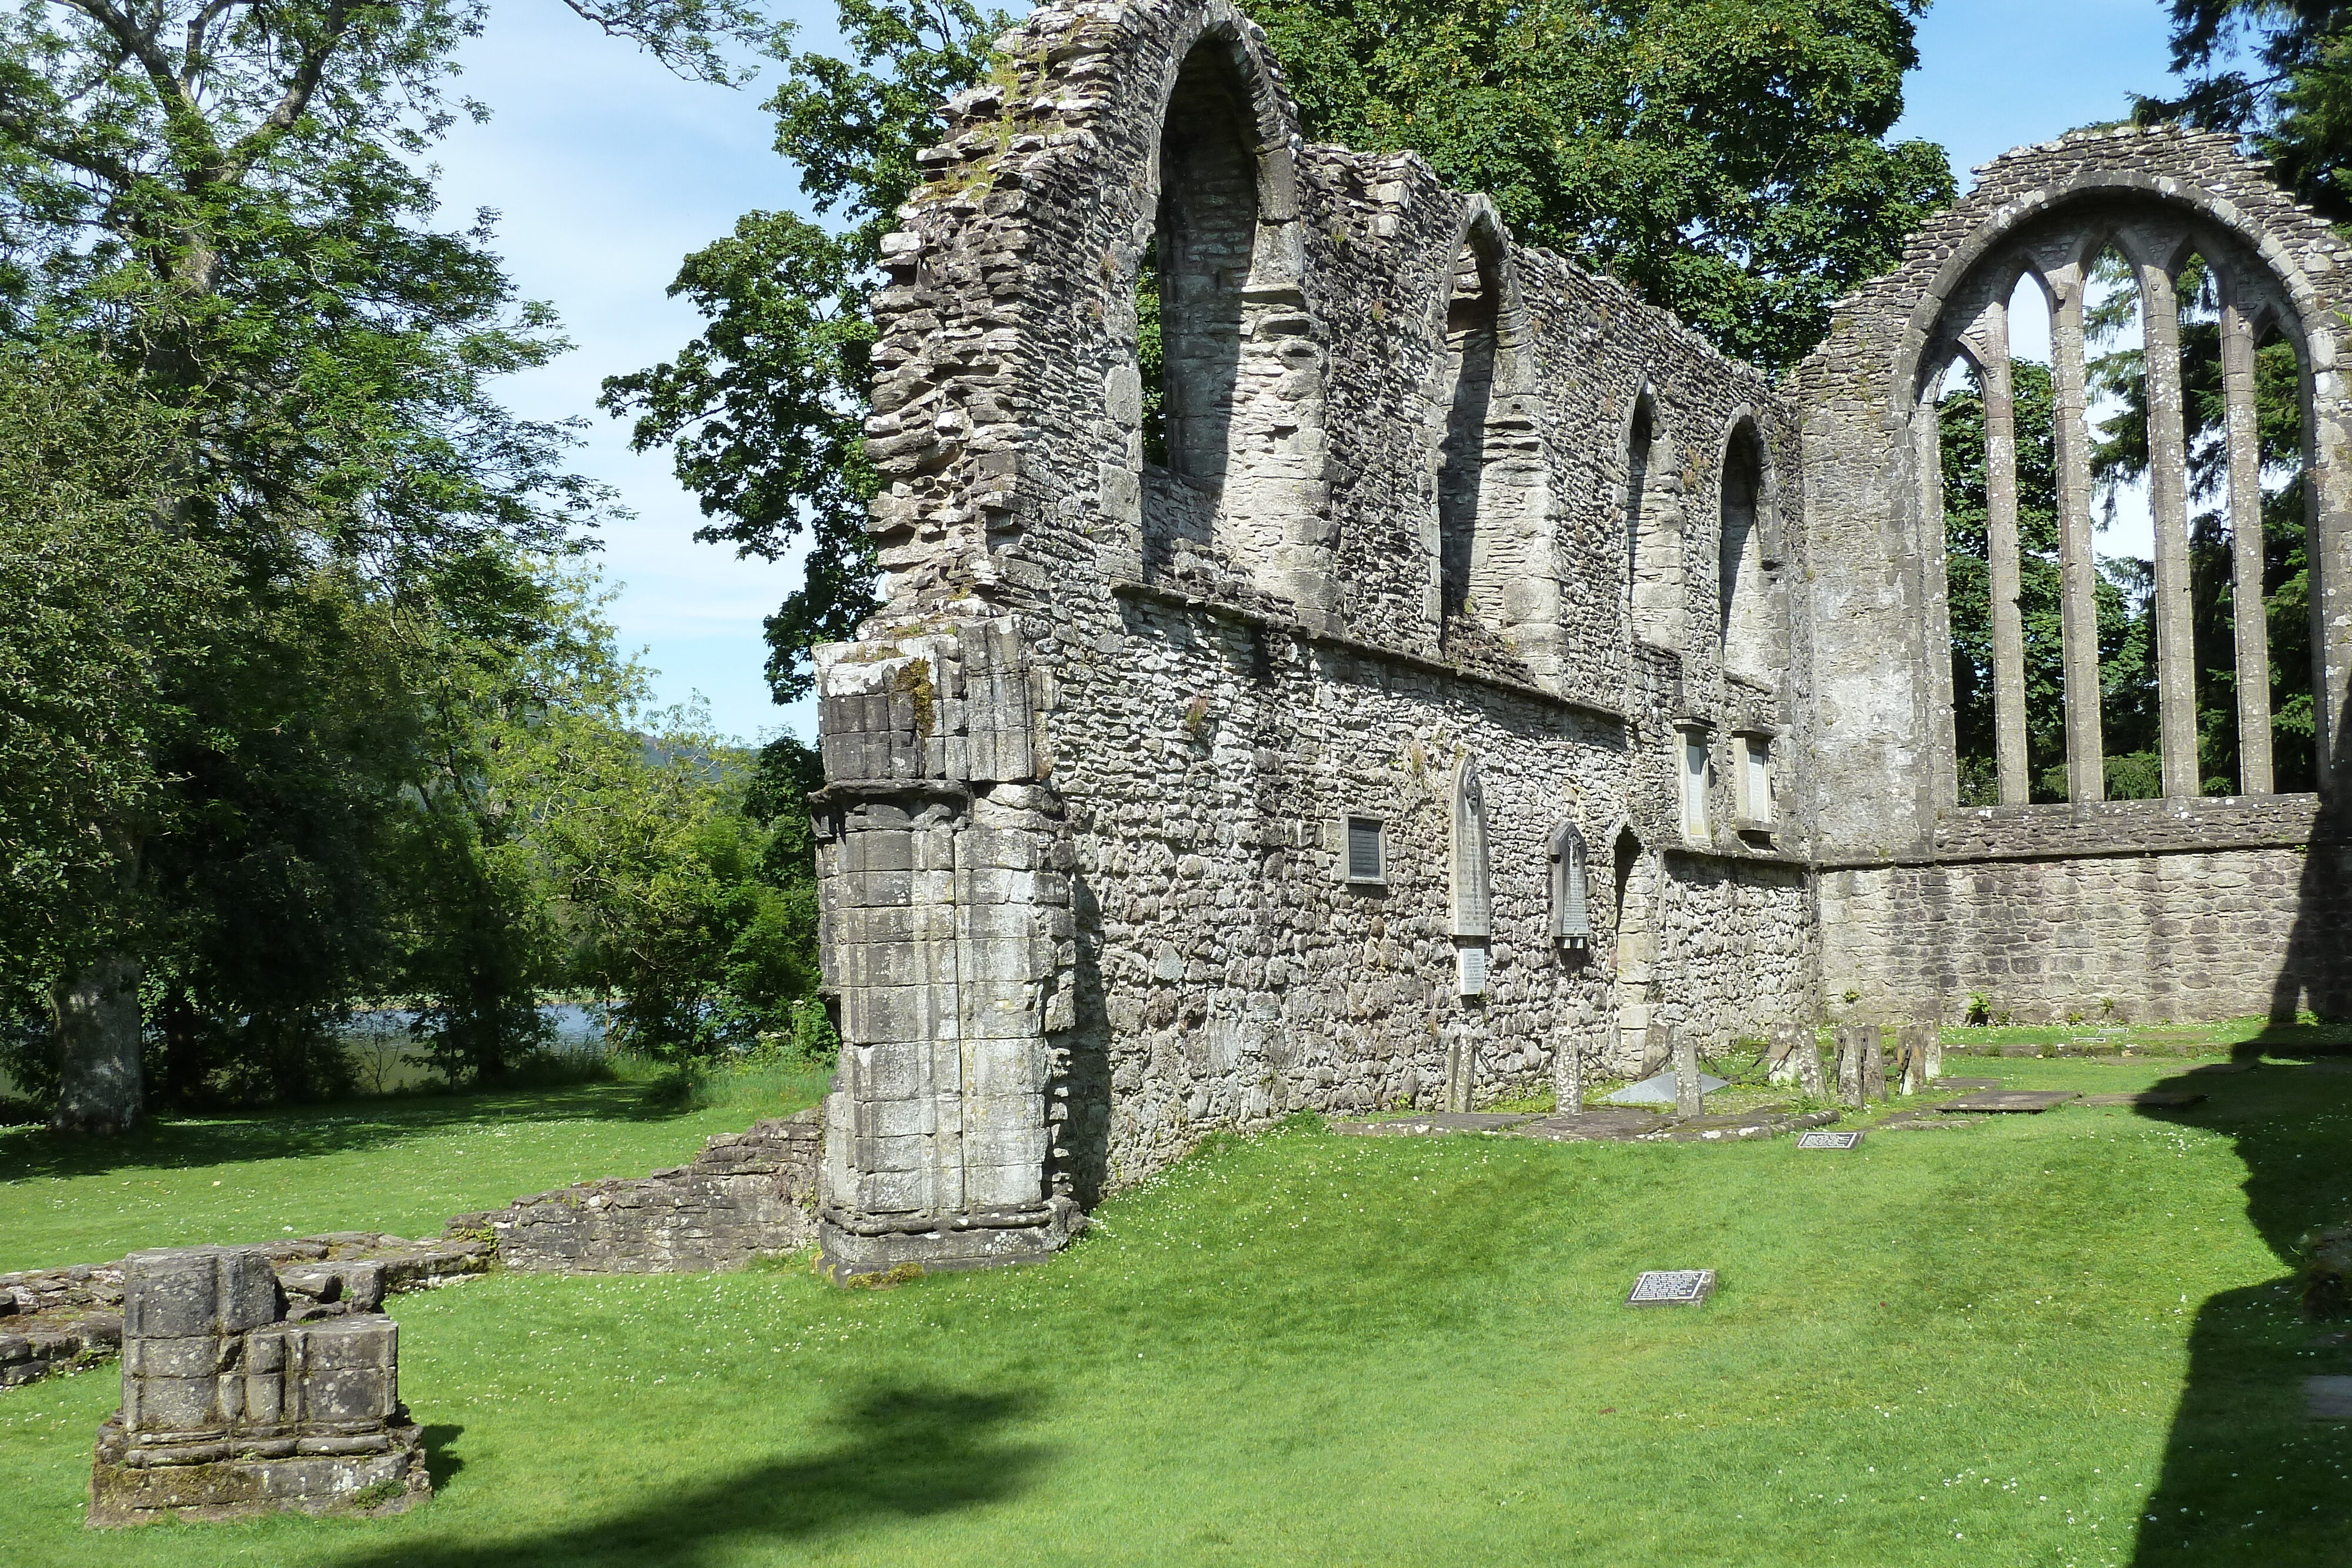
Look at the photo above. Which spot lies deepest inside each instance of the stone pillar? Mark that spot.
(2252, 627)
(1874, 1062)
(2000, 551)
(1688, 1099)
(1569, 1075)
(2168, 485)
(948, 940)
(2086, 766)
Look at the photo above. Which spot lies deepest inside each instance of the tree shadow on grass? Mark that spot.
(294, 1131)
(2246, 1476)
(899, 1453)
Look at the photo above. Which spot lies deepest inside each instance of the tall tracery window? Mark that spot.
(2120, 466)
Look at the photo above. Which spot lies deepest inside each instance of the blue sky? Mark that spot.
(607, 171)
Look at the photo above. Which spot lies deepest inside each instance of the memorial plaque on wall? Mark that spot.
(1820, 1140)
(1672, 1287)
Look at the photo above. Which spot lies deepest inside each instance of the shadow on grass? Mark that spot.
(899, 1453)
(2246, 1477)
(292, 1132)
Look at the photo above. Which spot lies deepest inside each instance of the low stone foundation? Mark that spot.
(230, 1409)
(747, 1195)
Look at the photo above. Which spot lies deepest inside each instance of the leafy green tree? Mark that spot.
(763, 410)
(2280, 73)
(226, 199)
(1968, 572)
(1727, 158)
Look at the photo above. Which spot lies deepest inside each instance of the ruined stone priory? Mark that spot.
(1444, 673)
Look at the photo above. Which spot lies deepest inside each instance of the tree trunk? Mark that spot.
(96, 1010)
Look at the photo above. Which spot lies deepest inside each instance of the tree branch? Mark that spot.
(192, 57)
(291, 104)
(140, 44)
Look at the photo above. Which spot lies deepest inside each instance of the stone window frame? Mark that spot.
(1748, 748)
(1342, 839)
(1694, 808)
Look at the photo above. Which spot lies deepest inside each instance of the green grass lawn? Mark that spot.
(2006, 1345)
(402, 1165)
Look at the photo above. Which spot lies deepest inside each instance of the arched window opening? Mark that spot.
(2120, 328)
(1470, 349)
(1652, 531)
(1233, 443)
(1205, 248)
(2281, 529)
(1998, 466)
(1753, 648)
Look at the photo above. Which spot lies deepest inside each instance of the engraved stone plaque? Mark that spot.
(1672, 1287)
(1819, 1140)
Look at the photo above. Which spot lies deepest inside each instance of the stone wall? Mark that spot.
(747, 1195)
(1090, 769)
(2182, 933)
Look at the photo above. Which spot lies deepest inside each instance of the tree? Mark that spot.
(2278, 72)
(225, 199)
(1727, 158)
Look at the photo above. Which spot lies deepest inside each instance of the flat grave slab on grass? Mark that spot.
(2146, 1099)
(1598, 1125)
(1920, 1121)
(1678, 1287)
(1826, 1139)
(2324, 1398)
(2021, 1100)
(2212, 1067)
(1441, 1122)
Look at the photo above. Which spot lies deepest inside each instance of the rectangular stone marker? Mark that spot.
(1920, 1056)
(2010, 1100)
(2325, 1398)
(2147, 1099)
(1690, 1098)
(1874, 1062)
(1672, 1288)
(1828, 1141)
(1850, 1053)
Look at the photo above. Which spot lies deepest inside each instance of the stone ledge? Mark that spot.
(2107, 829)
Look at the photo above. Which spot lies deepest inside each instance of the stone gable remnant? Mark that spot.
(1145, 787)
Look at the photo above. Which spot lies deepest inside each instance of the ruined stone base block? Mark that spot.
(845, 1254)
(381, 1472)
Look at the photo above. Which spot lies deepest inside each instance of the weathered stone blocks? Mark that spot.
(229, 1410)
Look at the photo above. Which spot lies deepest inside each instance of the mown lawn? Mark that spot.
(402, 1165)
(2006, 1345)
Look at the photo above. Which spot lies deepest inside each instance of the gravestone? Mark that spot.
(2020, 1100)
(1828, 1140)
(228, 1410)
(1672, 1287)
(1571, 1096)
(1690, 1098)
(2326, 1398)
(1874, 1062)
(1861, 1063)
(1658, 1050)
(1921, 1055)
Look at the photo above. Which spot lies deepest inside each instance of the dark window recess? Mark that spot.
(1364, 850)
